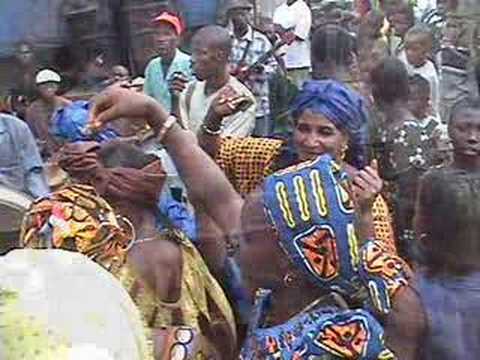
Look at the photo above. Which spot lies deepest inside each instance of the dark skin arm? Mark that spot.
(406, 325)
(225, 104)
(206, 182)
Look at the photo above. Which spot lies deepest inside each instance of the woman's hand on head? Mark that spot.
(115, 103)
(366, 185)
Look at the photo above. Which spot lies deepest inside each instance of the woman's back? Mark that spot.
(452, 306)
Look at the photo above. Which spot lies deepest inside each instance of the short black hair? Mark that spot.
(450, 246)
(215, 36)
(117, 153)
(390, 81)
(462, 105)
(420, 29)
(333, 44)
(418, 81)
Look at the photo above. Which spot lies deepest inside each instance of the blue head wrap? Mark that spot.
(345, 108)
(311, 208)
(69, 124)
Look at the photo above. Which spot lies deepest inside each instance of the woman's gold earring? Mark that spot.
(288, 279)
(344, 152)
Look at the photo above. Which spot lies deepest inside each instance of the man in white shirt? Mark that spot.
(294, 22)
(212, 46)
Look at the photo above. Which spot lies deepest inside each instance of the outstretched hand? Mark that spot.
(115, 103)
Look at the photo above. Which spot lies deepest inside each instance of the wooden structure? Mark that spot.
(138, 32)
(92, 30)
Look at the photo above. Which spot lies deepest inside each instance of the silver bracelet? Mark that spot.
(211, 132)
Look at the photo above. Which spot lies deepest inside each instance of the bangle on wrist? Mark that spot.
(211, 132)
(167, 125)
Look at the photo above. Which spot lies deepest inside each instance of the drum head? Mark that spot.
(13, 206)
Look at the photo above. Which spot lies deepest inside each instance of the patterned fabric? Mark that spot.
(69, 124)
(256, 44)
(310, 207)
(406, 156)
(77, 219)
(157, 83)
(323, 333)
(247, 162)
(344, 107)
(389, 271)
(201, 297)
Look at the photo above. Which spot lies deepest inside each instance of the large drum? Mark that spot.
(13, 206)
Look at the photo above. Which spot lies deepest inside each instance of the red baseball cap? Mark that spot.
(170, 19)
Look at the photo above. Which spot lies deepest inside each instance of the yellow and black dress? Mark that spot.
(248, 161)
(76, 218)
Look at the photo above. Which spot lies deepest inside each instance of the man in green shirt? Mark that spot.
(171, 63)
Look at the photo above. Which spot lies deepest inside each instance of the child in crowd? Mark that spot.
(418, 48)
(419, 105)
(400, 16)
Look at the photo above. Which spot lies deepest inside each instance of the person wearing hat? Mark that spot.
(172, 67)
(249, 46)
(40, 112)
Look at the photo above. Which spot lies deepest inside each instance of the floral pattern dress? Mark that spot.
(406, 155)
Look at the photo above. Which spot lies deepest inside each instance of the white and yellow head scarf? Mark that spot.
(59, 305)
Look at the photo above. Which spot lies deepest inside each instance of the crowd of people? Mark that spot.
(299, 189)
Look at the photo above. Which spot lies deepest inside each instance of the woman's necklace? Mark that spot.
(144, 240)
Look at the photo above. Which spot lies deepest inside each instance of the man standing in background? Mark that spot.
(294, 21)
(251, 61)
(170, 65)
(21, 167)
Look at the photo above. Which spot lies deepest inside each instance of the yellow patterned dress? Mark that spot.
(77, 219)
(201, 308)
(247, 161)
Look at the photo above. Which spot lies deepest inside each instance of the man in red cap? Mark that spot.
(172, 67)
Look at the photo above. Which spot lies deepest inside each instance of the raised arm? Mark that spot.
(226, 103)
(206, 183)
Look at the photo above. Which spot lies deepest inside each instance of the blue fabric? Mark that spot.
(351, 334)
(69, 124)
(314, 218)
(235, 287)
(343, 107)
(310, 207)
(177, 212)
(452, 305)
